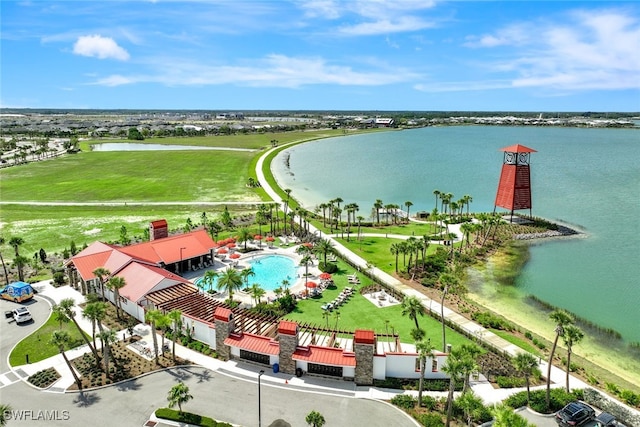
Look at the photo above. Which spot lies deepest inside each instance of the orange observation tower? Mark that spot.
(514, 189)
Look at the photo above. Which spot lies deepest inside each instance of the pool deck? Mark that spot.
(241, 263)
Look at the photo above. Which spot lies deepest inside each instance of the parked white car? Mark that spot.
(21, 315)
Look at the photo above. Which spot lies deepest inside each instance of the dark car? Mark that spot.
(575, 414)
(607, 420)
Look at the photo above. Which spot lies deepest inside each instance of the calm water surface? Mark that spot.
(589, 178)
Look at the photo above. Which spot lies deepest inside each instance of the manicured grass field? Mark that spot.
(360, 313)
(54, 227)
(38, 346)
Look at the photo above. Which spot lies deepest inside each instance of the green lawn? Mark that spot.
(54, 227)
(359, 313)
(37, 345)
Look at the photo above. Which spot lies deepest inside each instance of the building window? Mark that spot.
(332, 371)
(434, 365)
(418, 364)
(254, 357)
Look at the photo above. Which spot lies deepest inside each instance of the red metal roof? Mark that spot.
(325, 356)
(517, 148)
(287, 327)
(253, 343)
(222, 313)
(141, 279)
(364, 336)
(98, 255)
(173, 248)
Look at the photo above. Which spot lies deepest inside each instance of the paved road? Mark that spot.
(216, 395)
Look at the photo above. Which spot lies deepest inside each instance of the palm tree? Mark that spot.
(326, 314)
(67, 305)
(377, 205)
(230, 281)
(107, 337)
(561, 319)
(152, 317)
(425, 351)
(395, 250)
(244, 235)
(448, 283)
(116, 283)
(96, 312)
(16, 242)
(245, 274)
(176, 319)
(285, 207)
(60, 314)
(61, 339)
(256, 292)
(412, 307)
(324, 248)
(315, 419)
(209, 279)
(468, 355)
(5, 410)
(454, 367)
(504, 416)
(527, 365)
(178, 395)
(572, 335)
(101, 273)
(408, 204)
(470, 405)
(437, 194)
(163, 323)
(4, 266)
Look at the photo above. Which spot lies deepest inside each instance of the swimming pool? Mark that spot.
(270, 271)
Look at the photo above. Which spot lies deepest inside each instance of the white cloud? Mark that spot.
(270, 71)
(589, 50)
(386, 26)
(99, 47)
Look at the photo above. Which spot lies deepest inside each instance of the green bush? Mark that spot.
(559, 398)
(510, 382)
(630, 398)
(189, 418)
(404, 401)
(429, 402)
(329, 267)
(491, 321)
(528, 335)
(430, 420)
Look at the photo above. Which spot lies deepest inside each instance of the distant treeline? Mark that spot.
(321, 113)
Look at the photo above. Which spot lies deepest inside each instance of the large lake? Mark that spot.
(589, 178)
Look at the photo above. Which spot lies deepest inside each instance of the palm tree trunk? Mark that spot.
(423, 364)
(84, 337)
(444, 332)
(553, 350)
(452, 385)
(568, 365)
(155, 341)
(4, 267)
(526, 380)
(73, 372)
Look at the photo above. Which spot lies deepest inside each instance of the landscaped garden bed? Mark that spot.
(128, 364)
(44, 378)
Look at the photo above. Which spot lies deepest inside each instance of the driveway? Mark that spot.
(216, 395)
(12, 333)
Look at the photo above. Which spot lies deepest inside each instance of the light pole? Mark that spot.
(259, 406)
(180, 265)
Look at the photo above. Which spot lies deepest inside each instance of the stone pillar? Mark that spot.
(225, 325)
(364, 345)
(288, 339)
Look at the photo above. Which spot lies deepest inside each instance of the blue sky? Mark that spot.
(321, 55)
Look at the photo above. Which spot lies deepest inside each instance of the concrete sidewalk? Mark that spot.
(249, 372)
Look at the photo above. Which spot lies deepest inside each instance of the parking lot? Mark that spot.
(13, 333)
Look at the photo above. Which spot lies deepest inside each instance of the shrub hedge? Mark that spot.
(189, 418)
